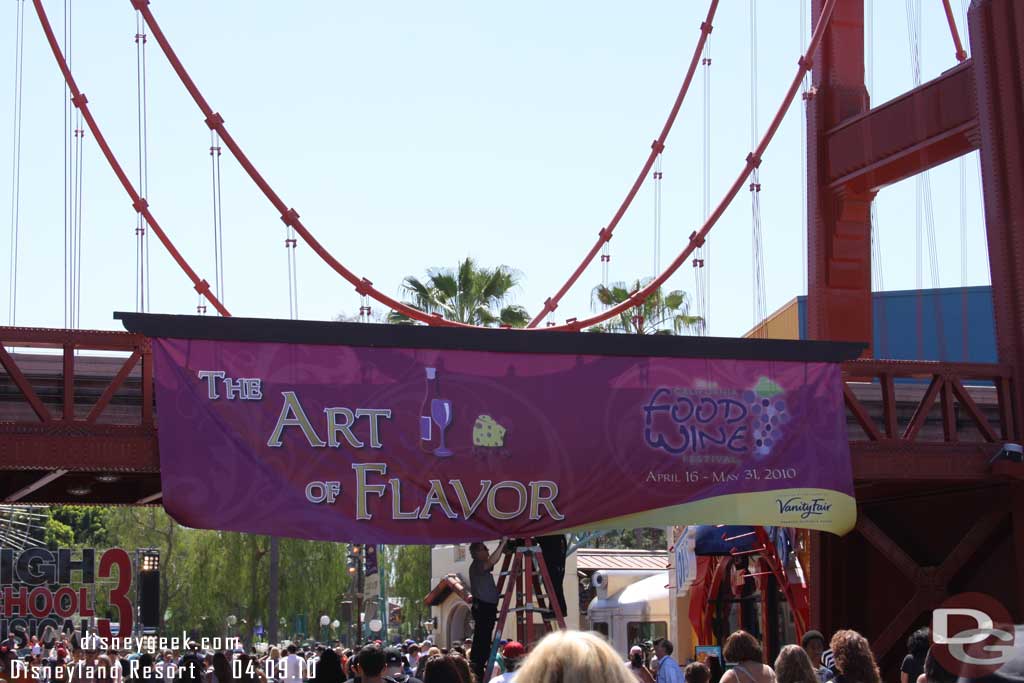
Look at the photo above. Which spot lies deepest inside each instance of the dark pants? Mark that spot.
(554, 548)
(485, 614)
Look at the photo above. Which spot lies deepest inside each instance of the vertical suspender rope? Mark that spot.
(74, 255)
(365, 312)
(804, 97)
(925, 217)
(69, 113)
(965, 353)
(77, 233)
(214, 151)
(962, 163)
(912, 37)
(140, 229)
(877, 269)
(290, 244)
(218, 226)
(760, 304)
(19, 61)
(876, 240)
(964, 336)
(606, 257)
(145, 170)
(702, 258)
(983, 238)
(74, 135)
(657, 216)
(706, 248)
(142, 289)
(220, 221)
(218, 216)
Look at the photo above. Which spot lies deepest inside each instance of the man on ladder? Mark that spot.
(485, 602)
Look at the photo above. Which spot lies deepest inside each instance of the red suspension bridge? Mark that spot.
(936, 514)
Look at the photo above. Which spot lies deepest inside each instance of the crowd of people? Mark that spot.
(564, 656)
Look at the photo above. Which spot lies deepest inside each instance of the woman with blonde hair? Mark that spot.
(794, 666)
(854, 661)
(573, 657)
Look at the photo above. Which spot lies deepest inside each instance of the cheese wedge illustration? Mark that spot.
(488, 433)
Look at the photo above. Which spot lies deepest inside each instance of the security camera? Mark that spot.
(1011, 452)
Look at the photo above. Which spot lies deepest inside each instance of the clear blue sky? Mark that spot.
(411, 134)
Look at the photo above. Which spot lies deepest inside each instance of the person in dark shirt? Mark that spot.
(917, 650)
(485, 602)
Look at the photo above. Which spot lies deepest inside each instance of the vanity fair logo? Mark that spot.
(805, 507)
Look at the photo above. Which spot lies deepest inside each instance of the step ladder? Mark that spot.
(526, 589)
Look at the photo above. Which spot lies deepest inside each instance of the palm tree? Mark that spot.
(661, 313)
(468, 293)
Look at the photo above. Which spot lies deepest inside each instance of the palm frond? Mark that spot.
(514, 315)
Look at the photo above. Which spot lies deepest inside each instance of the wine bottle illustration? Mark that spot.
(426, 431)
(434, 409)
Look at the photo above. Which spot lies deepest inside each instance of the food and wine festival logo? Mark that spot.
(690, 422)
(41, 588)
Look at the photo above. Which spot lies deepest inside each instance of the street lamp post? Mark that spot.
(355, 570)
(325, 621)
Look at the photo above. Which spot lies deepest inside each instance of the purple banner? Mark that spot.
(386, 445)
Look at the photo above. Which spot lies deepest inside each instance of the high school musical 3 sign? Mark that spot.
(400, 434)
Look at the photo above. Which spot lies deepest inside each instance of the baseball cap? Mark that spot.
(513, 650)
(636, 650)
(392, 655)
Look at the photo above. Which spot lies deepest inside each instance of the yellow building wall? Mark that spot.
(782, 324)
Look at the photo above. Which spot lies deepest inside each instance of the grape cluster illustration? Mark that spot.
(768, 410)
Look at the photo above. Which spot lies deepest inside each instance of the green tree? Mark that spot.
(206, 576)
(58, 534)
(638, 539)
(468, 293)
(87, 523)
(410, 581)
(661, 313)
(150, 527)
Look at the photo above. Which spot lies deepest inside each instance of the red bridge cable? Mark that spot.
(656, 149)
(289, 216)
(753, 160)
(139, 204)
(365, 287)
(961, 54)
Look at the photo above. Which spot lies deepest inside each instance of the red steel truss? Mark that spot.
(953, 522)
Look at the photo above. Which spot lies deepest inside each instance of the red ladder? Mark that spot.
(524, 577)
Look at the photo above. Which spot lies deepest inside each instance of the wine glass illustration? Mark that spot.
(441, 412)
